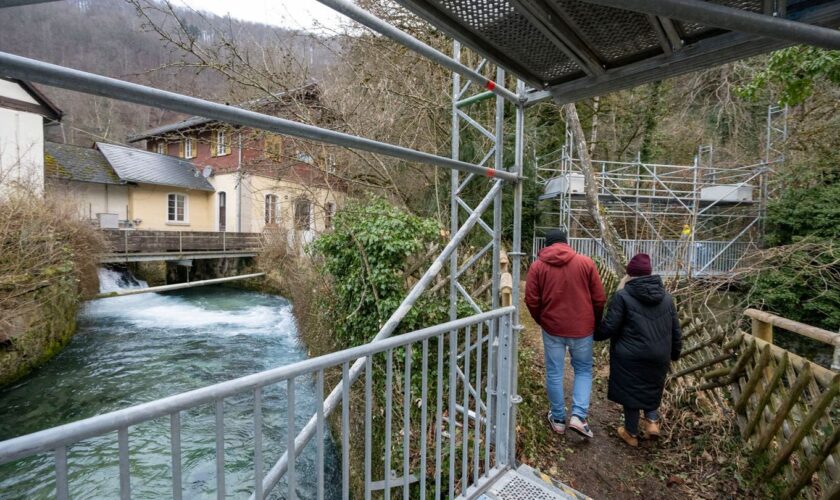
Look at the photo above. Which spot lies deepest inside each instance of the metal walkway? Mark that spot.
(526, 483)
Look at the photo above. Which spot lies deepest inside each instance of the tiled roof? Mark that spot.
(195, 121)
(75, 163)
(136, 165)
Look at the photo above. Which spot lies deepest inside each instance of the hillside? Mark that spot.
(111, 38)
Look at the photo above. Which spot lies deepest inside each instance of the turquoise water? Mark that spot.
(130, 350)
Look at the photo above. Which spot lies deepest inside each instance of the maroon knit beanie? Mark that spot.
(639, 265)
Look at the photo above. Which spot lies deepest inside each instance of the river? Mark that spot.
(133, 349)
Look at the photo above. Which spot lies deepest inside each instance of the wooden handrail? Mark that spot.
(809, 331)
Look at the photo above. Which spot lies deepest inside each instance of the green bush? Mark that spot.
(807, 212)
(366, 257)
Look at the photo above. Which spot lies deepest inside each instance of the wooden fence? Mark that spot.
(138, 241)
(787, 407)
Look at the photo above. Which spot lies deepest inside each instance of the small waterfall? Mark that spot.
(111, 280)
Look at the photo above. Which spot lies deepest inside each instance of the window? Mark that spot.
(329, 213)
(272, 209)
(273, 147)
(177, 208)
(302, 212)
(160, 147)
(220, 145)
(189, 147)
(331, 164)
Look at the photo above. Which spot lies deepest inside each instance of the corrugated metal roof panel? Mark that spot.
(136, 165)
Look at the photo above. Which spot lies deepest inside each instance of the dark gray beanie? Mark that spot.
(556, 236)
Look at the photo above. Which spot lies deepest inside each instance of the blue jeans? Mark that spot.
(555, 360)
(631, 419)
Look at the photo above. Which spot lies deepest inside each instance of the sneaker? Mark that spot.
(580, 426)
(627, 437)
(651, 428)
(556, 425)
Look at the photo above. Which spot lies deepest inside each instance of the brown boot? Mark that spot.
(651, 428)
(627, 437)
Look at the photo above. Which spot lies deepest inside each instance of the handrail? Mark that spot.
(50, 439)
(763, 323)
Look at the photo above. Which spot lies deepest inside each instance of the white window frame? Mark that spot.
(275, 212)
(161, 148)
(221, 142)
(175, 221)
(190, 147)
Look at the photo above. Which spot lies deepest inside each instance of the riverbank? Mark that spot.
(48, 262)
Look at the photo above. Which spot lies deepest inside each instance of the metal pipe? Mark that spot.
(71, 79)
(177, 286)
(332, 400)
(51, 439)
(18, 3)
(384, 28)
(729, 18)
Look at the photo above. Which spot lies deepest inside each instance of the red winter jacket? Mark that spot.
(564, 292)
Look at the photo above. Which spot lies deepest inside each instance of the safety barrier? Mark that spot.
(669, 257)
(440, 427)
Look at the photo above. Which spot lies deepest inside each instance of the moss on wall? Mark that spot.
(42, 331)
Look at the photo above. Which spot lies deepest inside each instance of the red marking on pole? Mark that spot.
(491, 172)
(491, 85)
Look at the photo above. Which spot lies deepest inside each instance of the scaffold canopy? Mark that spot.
(573, 49)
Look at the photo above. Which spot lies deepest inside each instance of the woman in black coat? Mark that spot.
(644, 332)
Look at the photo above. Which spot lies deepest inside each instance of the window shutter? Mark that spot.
(181, 149)
(227, 143)
(213, 143)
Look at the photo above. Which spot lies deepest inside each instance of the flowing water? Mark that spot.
(129, 350)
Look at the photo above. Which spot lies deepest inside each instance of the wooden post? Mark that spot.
(762, 330)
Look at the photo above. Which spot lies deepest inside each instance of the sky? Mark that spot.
(299, 14)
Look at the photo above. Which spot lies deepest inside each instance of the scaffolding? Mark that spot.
(561, 53)
(694, 220)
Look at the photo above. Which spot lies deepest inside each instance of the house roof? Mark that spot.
(76, 163)
(136, 165)
(197, 121)
(45, 106)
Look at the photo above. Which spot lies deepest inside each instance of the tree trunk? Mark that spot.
(609, 236)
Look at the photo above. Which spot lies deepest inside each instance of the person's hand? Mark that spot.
(623, 282)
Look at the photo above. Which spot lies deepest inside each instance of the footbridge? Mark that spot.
(438, 405)
(134, 245)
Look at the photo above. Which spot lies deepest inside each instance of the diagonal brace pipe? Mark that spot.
(331, 402)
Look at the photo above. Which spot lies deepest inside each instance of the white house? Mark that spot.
(24, 111)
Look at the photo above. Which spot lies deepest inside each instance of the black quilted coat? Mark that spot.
(644, 332)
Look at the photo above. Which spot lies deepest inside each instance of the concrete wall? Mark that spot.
(21, 144)
(91, 198)
(149, 203)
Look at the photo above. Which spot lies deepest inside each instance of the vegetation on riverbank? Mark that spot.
(48, 261)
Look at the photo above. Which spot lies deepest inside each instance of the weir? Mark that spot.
(177, 286)
(460, 441)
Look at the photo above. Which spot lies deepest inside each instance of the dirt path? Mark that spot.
(603, 467)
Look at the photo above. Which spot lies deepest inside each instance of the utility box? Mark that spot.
(108, 221)
(571, 183)
(733, 193)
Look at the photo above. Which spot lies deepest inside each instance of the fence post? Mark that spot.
(835, 363)
(762, 330)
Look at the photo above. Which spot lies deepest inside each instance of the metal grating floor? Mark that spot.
(525, 483)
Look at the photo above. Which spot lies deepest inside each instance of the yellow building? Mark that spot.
(128, 187)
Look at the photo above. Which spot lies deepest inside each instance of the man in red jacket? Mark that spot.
(565, 297)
